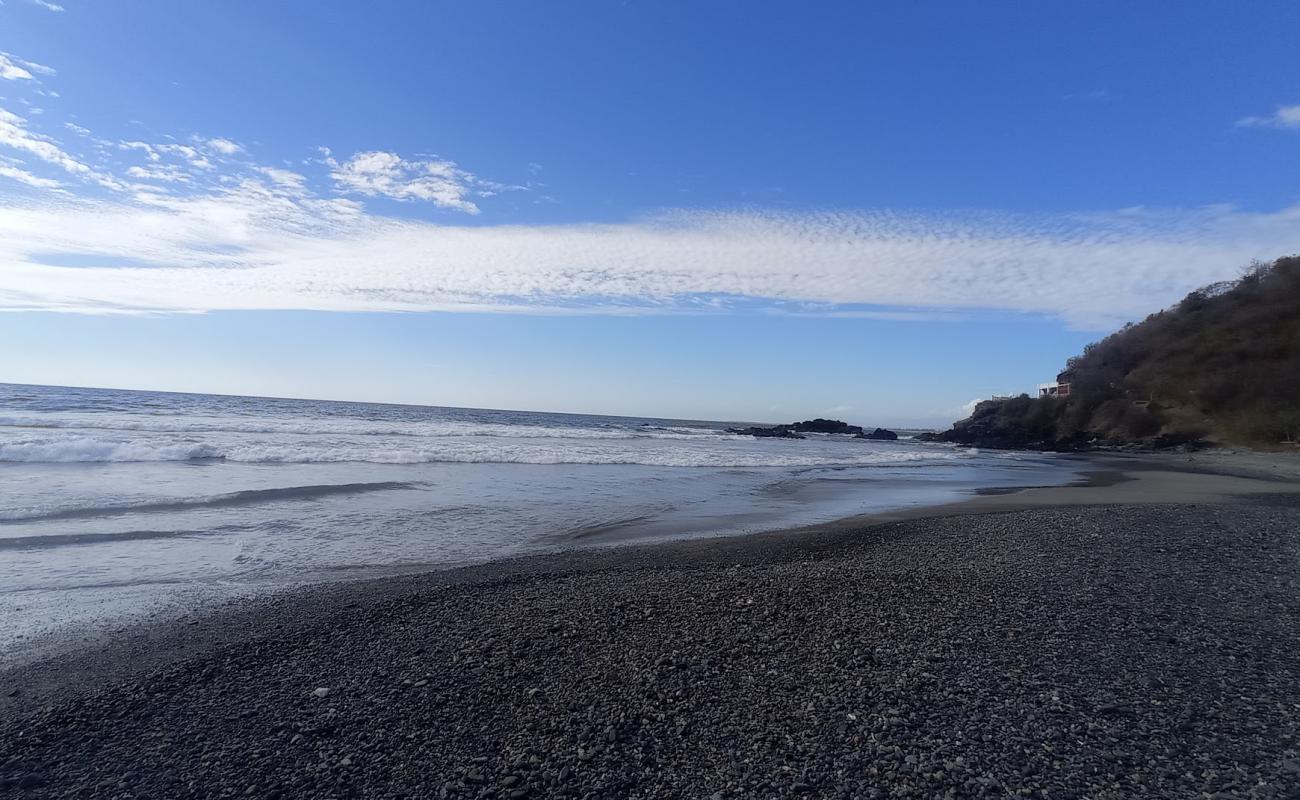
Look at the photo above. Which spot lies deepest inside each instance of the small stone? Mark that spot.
(321, 692)
(509, 780)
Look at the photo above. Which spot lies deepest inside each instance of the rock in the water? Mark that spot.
(774, 432)
(879, 434)
(820, 425)
(794, 429)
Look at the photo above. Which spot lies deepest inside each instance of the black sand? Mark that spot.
(1098, 651)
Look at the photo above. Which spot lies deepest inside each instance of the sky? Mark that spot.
(880, 212)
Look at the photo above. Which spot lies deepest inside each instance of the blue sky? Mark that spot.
(738, 210)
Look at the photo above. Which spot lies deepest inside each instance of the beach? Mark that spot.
(120, 506)
(1066, 648)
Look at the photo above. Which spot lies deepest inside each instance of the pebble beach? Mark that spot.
(1101, 651)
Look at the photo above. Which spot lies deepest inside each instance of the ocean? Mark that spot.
(120, 505)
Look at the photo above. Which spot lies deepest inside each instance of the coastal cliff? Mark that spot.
(1220, 367)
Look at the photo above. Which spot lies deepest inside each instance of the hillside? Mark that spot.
(1222, 366)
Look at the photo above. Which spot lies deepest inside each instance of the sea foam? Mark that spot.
(468, 450)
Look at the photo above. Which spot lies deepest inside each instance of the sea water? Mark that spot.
(116, 504)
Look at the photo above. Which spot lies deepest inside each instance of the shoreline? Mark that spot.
(560, 674)
(63, 662)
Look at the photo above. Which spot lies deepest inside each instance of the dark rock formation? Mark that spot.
(774, 432)
(820, 425)
(879, 434)
(794, 429)
(1016, 423)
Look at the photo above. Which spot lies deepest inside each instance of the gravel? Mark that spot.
(1099, 652)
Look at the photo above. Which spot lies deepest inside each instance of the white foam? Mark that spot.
(88, 449)
(467, 450)
(354, 427)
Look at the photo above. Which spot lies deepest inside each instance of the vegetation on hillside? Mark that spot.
(1223, 365)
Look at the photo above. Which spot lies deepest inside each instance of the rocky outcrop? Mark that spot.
(1016, 423)
(820, 425)
(774, 432)
(795, 430)
(879, 434)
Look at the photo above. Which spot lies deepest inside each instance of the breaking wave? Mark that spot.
(338, 427)
(101, 450)
(92, 450)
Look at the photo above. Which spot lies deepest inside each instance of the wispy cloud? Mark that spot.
(160, 226)
(15, 135)
(13, 68)
(1284, 117)
(380, 174)
(261, 244)
(8, 170)
(47, 5)
(156, 172)
(223, 146)
(192, 155)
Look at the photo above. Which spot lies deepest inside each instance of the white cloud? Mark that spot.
(12, 72)
(23, 176)
(149, 150)
(190, 154)
(13, 68)
(377, 173)
(966, 409)
(284, 177)
(15, 135)
(1284, 117)
(262, 245)
(167, 173)
(223, 146)
(231, 234)
(47, 5)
